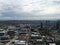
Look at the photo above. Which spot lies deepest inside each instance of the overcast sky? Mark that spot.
(29, 9)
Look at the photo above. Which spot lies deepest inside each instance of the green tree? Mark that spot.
(45, 32)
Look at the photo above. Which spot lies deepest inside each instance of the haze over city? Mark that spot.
(29, 22)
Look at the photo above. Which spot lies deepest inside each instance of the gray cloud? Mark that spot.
(29, 9)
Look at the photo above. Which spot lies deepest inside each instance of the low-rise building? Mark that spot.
(20, 42)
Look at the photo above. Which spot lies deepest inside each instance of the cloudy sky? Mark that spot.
(29, 9)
